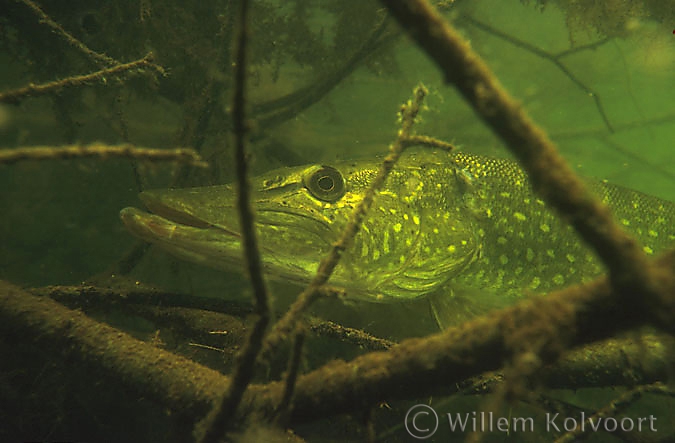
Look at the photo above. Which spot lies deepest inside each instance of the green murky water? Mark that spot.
(326, 81)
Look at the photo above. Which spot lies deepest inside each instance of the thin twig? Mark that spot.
(271, 113)
(653, 167)
(102, 151)
(614, 408)
(127, 263)
(358, 337)
(33, 90)
(128, 292)
(287, 323)
(292, 320)
(551, 176)
(283, 410)
(429, 142)
(204, 106)
(98, 58)
(219, 419)
(555, 59)
(207, 347)
(369, 425)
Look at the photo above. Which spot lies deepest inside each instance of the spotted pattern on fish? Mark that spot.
(442, 221)
(538, 250)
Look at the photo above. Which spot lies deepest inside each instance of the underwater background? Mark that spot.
(326, 79)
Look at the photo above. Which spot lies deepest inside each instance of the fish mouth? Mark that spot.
(155, 205)
(177, 211)
(165, 221)
(212, 237)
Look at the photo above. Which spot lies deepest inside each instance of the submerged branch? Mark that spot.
(540, 329)
(220, 418)
(614, 408)
(413, 369)
(429, 142)
(276, 111)
(349, 335)
(140, 300)
(33, 90)
(101, 150)
(289, 321)
(292, 321)
(100, 59)
(177, 382)
(551, 176)
(85, 296)
(418, 367)
(283, 409)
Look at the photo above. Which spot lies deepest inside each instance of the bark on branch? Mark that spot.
(551, 176)
(414, 368)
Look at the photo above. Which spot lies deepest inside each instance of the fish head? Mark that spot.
(418, 233)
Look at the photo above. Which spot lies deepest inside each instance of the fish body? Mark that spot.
(443, 222)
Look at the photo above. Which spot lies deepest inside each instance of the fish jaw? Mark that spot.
(207, 246)
(201, 225)
(409, 244)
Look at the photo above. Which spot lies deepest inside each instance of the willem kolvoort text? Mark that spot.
(488, 422)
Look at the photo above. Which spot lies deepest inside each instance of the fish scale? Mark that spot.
(527, 249)
(443, 224)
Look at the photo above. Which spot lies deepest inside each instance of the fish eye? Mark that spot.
(324, 182)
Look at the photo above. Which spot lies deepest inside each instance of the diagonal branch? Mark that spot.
(551, 176)
(555, 59)
(32, 90)
(220, 418)
(98, 58)
(288, 322)
(415, 368)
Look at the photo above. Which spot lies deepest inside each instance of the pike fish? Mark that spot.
(443, 224)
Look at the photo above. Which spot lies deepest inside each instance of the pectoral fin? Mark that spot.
(453, 306)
